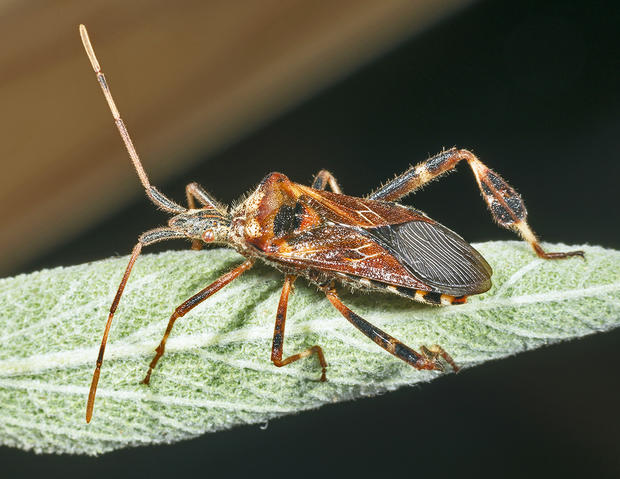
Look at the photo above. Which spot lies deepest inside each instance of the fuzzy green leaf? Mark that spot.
(216, 372)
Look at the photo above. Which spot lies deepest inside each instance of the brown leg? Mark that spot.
(427, 359)
(323, 178)
(150, 237)
(195, 191)
(505, 204)
(278, 334)
(190, 304)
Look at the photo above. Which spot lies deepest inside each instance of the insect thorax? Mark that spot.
(269, 214)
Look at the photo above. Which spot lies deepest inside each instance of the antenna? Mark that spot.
(156, 196)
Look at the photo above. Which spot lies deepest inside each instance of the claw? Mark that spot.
(433, 354)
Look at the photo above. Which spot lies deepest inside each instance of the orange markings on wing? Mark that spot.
(343, 250)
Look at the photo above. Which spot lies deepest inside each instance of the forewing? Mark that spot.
(344, 250)
(436, 256)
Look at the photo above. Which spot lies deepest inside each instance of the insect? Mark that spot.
(371, 243)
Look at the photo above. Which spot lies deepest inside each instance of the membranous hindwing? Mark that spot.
(436, 255)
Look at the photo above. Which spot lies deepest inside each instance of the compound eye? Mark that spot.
(208, 236)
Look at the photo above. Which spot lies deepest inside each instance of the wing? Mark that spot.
(344, 250)
(436, 256)
(432, 254)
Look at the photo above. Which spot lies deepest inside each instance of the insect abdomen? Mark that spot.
(429, 297)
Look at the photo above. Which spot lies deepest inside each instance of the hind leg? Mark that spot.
(427, 358)
(504, 203)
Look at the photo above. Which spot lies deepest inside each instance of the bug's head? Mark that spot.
(208, 225)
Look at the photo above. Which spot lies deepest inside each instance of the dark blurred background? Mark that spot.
(529, 86)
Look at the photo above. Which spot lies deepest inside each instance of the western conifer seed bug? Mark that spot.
(371, 243)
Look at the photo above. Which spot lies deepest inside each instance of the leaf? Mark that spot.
(216, 372)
